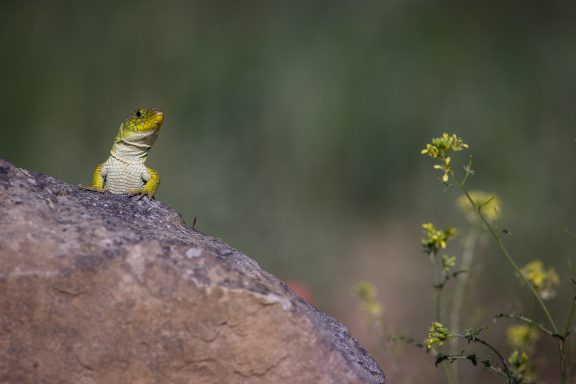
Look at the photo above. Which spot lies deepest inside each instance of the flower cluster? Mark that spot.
(522, 337)
(488, 204)
(544, 282)
(441, 149)
(522, 367)
(368, 296)
(448, 262)
(436, 239)
(437, 335)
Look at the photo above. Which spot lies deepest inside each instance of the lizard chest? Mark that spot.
(122, 177)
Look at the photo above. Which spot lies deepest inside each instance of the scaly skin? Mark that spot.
(125, 170)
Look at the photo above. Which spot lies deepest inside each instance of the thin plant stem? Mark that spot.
(562, 352)
(448, 374)
(437, 288)
(438, 298)
(573, 309)
(528, 321)
(570, 318)
(491, 348)
(377, 326)
(505, 252)
(568, 231)
(438, 304)
(568, 324)
(460, 290)
(502, 361)
(462, 284)
(507, 255)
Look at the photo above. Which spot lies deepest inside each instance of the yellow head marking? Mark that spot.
(141, 127)
(143, 120)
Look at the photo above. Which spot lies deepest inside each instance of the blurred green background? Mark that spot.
(293, 129)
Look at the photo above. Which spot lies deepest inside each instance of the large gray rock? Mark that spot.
(101, 288)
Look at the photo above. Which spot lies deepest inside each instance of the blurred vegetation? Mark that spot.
(294, 128)
(482, 211)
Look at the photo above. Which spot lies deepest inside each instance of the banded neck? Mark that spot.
(130, 153)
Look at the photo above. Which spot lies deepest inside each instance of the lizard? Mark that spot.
(125, 172)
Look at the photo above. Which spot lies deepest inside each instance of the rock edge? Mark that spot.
(102, 288)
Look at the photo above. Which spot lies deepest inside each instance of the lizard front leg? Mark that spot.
(151, 179)
(98, 178)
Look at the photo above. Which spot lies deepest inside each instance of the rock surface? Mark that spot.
(101, 288)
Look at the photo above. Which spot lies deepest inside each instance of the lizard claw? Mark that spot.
(140, 193)
(92, 188)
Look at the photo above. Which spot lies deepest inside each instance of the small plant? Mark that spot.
(482, 211)
(368, 296)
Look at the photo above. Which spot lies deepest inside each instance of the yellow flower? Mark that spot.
(441, 148)
(522, 337)
(437, 335)
(544, 282)
(431, 151)
(368, 296)
(488, 203)
(522, 367)
(443, 145)
(436, 239)
(448, 262)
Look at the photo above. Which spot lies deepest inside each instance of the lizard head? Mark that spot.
(141, 127)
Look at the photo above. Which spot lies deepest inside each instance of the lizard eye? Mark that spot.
(138, 113)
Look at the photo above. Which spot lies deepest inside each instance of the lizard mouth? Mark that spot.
(153, 122)
(159, 117)
(144, 121)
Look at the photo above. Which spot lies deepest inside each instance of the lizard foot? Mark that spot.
(91, 188)
(140, 193)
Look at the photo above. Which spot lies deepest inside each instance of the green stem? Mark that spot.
(507, 254)
(528, 321)
(460, 291)
(519, 273)
(570, 317)
(438, 305)
(502, 361)
(390, 356)
(462, 284)
(438, 299)
(437, 289)
(491, 348)
(448, 374)
(562, 353)
(561, 342)
(573, 309)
